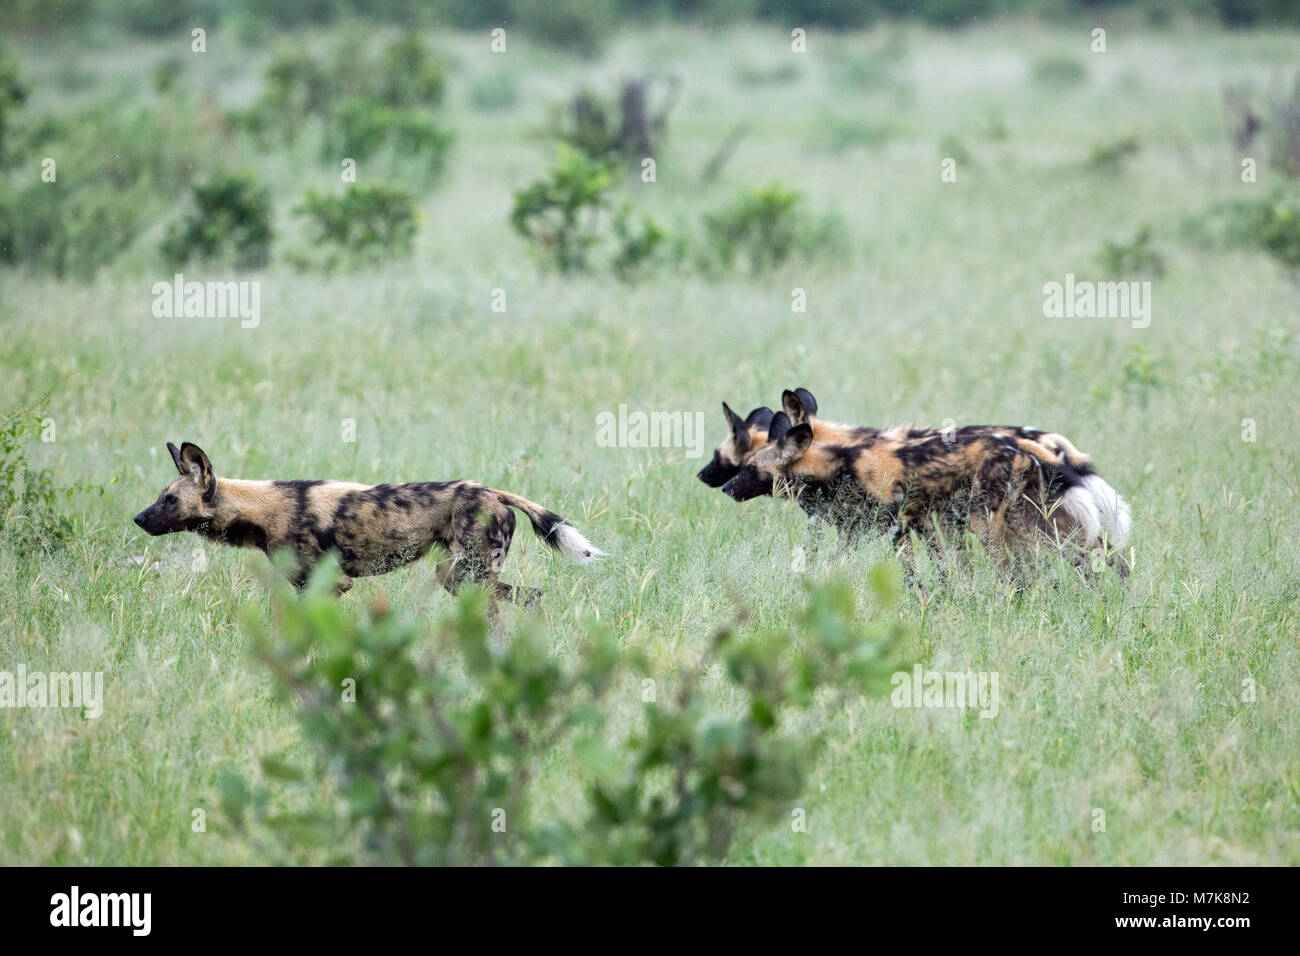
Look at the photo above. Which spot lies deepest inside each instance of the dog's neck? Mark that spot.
(241, 513)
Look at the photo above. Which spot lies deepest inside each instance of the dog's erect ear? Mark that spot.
(759, 417)
(780, 425)
(791, 446)
(799, 405)
(793, 407)
(176, 457)
(739, 433)
(195, 464)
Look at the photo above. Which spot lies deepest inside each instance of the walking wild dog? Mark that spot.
(1003, 483)
(372, 529)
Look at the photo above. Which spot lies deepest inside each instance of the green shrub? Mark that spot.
(30, 519)
(561, 213)
(1137, 256)
(427, 748)
(638, 241)
(118, 168)
(367, 224)
(361, 128)
(1273, 225)
(229, 218)
(406, 74)
(66, 232)
(764, 228)
(403, 81)
(297, 86)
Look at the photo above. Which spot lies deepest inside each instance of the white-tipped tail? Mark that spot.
(1098, 510)
(574, 546)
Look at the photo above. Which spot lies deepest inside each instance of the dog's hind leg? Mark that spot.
(530, 598)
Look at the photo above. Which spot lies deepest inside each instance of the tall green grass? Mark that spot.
(1127, 700)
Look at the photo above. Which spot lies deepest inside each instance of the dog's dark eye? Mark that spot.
(170, 499)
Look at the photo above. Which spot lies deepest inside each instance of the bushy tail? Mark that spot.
(1098, 511)
(553, 529)
(1094, 507)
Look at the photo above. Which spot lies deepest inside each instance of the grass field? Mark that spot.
(1125, 699)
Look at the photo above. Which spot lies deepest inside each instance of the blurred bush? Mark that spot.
(402, 78)
(360, 128)
(229, 218)
(1273, 224)
(427, 748)
(567, 217)
(765, 227)
(365, 225)
(29, 499)
(119, 168)
(1134, 257)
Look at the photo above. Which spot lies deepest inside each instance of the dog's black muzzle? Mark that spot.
(148, 522)
(747, 484)
(715, 474)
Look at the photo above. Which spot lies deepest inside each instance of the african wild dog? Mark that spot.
(747, 436)
(1000, 482)
(371, 529)
(800, 408)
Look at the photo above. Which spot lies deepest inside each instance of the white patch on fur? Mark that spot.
(1097, 508)
(574, 546)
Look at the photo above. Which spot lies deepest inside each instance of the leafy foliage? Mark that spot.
(1137, 256)
(1274, 225)
(567, 216)
(129, 163)
(365, 224)
(380, 95)
(230, 217)
(361, 127)
(432, 741)
(30, 518)
(1270, 224)
(765, 227)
